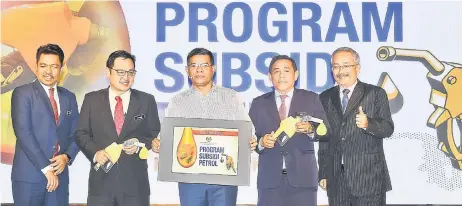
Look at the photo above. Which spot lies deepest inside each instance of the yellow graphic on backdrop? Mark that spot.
(445, 79)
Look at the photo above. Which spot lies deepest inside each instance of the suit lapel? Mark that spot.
(336, 101)
(63, 105)
(133, 109)
(43, 96)
(272, 109)
(293, 104)
(107, 114)
(356, 97)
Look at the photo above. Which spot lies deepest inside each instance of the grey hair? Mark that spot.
(348, 49)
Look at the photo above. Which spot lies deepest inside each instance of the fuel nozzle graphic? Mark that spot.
(445, 79)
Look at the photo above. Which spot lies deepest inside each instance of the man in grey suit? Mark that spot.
(115, 115)
(287, 173)
(352, 163)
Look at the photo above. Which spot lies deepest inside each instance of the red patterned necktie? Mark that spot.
(282, 108)
(119, 115)
(54, 105)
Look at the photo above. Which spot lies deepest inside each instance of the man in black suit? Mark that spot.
(117, 114)
(352, 163)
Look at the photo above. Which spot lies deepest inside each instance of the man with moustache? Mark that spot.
(353, 166)
(115, 115)
(287, 173)
(44, 118)
(208, 101)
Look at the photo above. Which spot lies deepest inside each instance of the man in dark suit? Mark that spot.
(352, 163)
(44, 119)
(287, 175)
(118, 114)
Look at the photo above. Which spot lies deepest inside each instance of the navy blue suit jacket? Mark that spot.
(300, 160)
(37, 133)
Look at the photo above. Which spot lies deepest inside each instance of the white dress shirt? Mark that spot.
(113, 102)
(56, 96)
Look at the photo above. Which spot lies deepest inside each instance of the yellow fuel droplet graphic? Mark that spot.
(187, 150)
(321, 130)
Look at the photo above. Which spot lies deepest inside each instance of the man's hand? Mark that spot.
(53, 181)
(268, 141)
(304, 127)
(131, 149)
(102, 157)
(253, 143)
(156, 145)
(323, 184)
(58, 163)
(361, 119)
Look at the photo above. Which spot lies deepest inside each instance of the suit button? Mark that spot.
(343, 138)
(282, 152)
(343, 123)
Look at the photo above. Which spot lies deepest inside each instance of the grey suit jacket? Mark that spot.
(96, 131)
(365, 167)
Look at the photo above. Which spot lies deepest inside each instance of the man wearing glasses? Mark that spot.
(352, 163)
(118, 115)
(208, 101)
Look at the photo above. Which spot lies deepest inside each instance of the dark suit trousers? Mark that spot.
(193, 194)
(343, 197)
(36, 194)
(116, 196)
(287, 195)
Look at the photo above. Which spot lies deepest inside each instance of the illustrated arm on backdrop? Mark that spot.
(21, 113)
(83, 133)
(381, 126)
(73, 149)
(153, 124)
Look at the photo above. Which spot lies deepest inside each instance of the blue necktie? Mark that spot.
(345, 99)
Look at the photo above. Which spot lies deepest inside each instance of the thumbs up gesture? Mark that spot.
(361, 118)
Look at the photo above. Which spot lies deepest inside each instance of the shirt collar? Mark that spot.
(112, 94)
(48, 87)
(195, 91)
(289, 94)
(351, 88)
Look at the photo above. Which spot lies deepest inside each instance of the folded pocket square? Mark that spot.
(139, 117)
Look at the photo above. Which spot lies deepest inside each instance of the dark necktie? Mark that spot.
(345, 99)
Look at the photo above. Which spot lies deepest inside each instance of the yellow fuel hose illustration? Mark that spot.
(445, 79)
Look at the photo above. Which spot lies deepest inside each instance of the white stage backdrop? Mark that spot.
(412, 49)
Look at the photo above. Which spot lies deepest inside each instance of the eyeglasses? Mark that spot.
(338, 67)
(121, 72)
(195, 66)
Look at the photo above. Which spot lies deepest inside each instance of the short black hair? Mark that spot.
(50, 49)
(281, 57)
(200, 51)
(119, 53)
